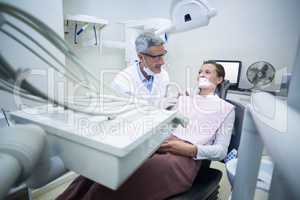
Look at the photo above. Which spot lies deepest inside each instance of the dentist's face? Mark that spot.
(209, 72)
(154, 59)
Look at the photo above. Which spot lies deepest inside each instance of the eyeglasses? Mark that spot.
(155, 57)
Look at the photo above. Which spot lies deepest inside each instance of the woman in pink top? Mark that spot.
(173, 168)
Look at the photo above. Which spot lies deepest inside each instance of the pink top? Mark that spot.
(206, 114)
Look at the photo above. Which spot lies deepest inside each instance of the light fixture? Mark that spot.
(188, 14)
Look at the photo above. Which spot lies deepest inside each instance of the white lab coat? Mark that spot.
(128, 82)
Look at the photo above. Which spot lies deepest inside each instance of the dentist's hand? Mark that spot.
(169, 103)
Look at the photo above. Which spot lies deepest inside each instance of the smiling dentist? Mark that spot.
(146, 79)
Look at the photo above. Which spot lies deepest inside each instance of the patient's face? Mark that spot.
(209, 71)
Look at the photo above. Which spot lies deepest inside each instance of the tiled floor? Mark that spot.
(224, 185)
(53, 189)
(52, 194)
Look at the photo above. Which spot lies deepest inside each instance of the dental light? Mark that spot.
(188, 14)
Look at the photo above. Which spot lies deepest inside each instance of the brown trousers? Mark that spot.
(159, 177)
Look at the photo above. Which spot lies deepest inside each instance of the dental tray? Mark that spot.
(106, 151)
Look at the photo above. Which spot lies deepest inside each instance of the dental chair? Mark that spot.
(223, 89)
(206, 184)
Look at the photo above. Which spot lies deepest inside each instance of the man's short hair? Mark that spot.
(146, 40)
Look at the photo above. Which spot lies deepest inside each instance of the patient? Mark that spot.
(173, 168)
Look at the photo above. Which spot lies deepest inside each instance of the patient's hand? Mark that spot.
(178, 147)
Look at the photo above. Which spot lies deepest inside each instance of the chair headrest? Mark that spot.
(238, 125)
(222, 89)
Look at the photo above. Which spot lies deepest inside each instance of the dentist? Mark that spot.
(146, 79)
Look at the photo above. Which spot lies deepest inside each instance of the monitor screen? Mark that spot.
(232, 71)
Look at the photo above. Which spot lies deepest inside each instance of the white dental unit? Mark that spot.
(275, 127)
(106, 139)
(106, 151)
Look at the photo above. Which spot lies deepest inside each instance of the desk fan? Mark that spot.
(260, 73)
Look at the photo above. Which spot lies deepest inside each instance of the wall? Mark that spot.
(116, 10)
(111, 60)
(243, 30)
(50, 12)
(98, 61)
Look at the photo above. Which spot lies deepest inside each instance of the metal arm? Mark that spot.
(9, 76)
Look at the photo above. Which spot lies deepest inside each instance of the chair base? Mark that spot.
(205, 187)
